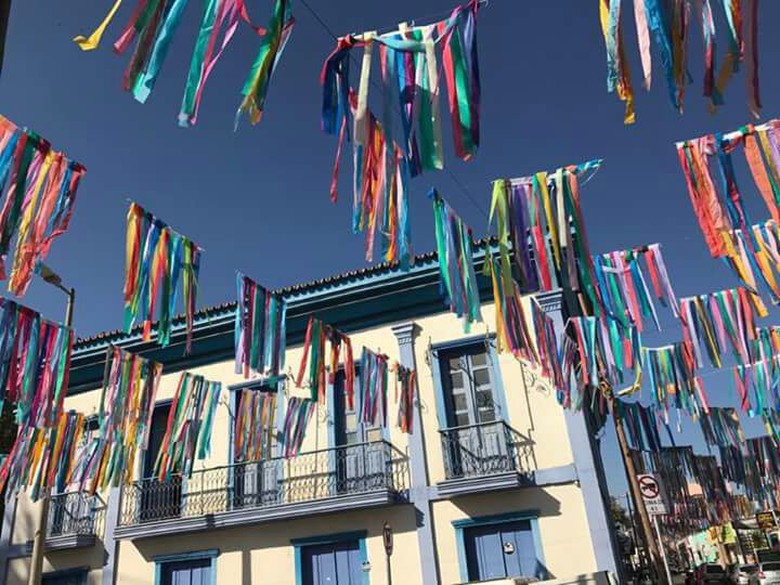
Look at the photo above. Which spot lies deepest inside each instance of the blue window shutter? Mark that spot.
(486, 557)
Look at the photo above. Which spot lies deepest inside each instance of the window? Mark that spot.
(67, 577)
(187, 569)
(331, 560)
(348, 428)
(469, 387)
(158, 499)
(499, 548)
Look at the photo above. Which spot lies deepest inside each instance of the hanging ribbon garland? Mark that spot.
(718, 205)
(157, 260)
(721, 427)
(154, 24)
(671, 374)
(641, 424)
(260, 329)
(525, 211)
(405, 386)
(457, 278)
(372, 389)
(314, 355)
(410, 73)
(547, 349)
(512, 331)
(669, 24)
(43, 458)
(40, 186)
(761, 380)
(296, 421)
(190, 421)
(34, 364)
(719, 320)
(254, 426)
(755, 252)
(623, 285)
(125, 415)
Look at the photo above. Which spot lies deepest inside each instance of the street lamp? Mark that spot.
(39, 541)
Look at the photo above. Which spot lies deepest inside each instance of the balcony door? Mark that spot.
(475, 441)
(338, 563)
(359, 452)
(159, 499)
(257, 483)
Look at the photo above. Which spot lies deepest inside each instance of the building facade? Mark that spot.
(495, 481)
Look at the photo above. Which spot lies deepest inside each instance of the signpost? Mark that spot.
(387, 540)
(650, 489)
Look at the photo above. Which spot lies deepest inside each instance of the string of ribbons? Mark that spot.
(154, 24)
(296, 421)
(34, 364)
(721, 427)
(372, 389)
(457, 278)
(158, 259)
(190, 421)
(254, 426)
(668, 24)
(260, 329)
(40, 186)
(320, 372)
(405, 385)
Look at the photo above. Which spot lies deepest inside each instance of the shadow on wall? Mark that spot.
(529, 499)
(278, 534)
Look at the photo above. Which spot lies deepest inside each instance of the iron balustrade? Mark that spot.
(75, 514)
(485, 449)
(315, 475)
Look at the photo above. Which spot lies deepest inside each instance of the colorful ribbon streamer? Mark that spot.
(260, 329)
(410, 74)
(641, 424)
(43, 458)
(624, 289)
(125, 415)
(525, 211)
(718, 320)
(372, 389)
(721, 427)
(296, 421)
(157, 260)
(34, 364)
(321, 373)
(671, 374)
(457, 278)
(405, 388)
(255, 88)
(547, 350)
(755, 252)
(254, 426)
(190, 421)
(40, 186)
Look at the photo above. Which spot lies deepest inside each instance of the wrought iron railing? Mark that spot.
(316, 475)
(74, 514)
(485, 449)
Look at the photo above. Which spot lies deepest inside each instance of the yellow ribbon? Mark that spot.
(92, 42)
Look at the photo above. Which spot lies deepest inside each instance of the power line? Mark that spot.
(455, 180)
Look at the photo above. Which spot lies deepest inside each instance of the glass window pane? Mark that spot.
(482, 377)
(479, 359)
(454, 363)
(460, 402)
(456, 379)
(462, 419)
(351, 422)
(374, 435)
(484, 398)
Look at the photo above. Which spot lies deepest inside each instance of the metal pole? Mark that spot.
(639, 504)
(39, 540)
(663, 550)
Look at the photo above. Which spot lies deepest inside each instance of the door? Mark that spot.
(473, 446)
(159, 500)
(332, 564)
(257, 483)
(359, 452)
(188, 572)
(500, 551)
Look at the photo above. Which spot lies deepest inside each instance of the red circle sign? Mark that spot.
(649, 487)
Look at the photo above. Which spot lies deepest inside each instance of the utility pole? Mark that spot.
(39, 541)
(633, 484)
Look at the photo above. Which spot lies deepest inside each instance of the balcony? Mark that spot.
(484, 457)
(75, 520)
(330, 480)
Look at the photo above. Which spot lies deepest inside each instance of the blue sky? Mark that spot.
(257, 200)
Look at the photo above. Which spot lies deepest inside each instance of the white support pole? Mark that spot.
(662, 548)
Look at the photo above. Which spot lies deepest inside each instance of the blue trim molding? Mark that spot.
(531, 515)
(300, 543)
(189, 556)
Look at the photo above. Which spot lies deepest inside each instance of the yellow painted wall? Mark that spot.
(562, 525)
(263, 554)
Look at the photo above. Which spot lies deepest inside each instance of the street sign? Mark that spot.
(766, 521)
(651, 494)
